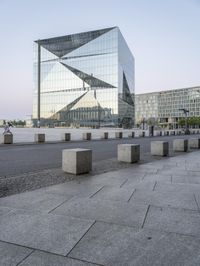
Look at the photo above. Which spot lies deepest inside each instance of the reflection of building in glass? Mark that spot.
(166, 106)
(84, 79)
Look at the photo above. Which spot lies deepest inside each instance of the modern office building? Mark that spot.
(84, 79)
(167, 107)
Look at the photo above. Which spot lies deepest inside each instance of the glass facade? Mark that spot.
(84, 79)
(167, 106)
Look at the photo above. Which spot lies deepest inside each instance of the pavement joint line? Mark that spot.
(123, 183)
(196, 202)
(96, 192)
(171, 178)
(19, 245)
(131, 195)
(93, 263)
(145, 217)
(80, 238)
(58, 206)
(25, 257)
(154, 186)
(44, 251)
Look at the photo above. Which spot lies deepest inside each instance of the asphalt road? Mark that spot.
(18, 159)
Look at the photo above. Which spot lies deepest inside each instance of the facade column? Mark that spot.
(38, 84)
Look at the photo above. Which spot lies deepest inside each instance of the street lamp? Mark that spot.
(187, 131)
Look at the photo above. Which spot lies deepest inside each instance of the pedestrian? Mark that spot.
(7, 128)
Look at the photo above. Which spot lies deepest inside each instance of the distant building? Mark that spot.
(2, 122)
(84, 79)
(166, 107)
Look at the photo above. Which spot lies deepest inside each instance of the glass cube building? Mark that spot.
(84, 79)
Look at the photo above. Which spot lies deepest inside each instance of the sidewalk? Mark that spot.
(143, 215)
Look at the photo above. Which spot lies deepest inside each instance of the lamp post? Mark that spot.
(187, 131)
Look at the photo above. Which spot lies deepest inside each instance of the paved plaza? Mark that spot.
(143, 215)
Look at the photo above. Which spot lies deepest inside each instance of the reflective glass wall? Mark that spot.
(86, 79)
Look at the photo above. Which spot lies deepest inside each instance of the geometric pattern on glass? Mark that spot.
(89, 79)
(61, 46)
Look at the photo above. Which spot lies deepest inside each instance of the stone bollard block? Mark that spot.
(131, 135)
(39, 137)
(172, 132)
(7, 139)
(118, 135)
(65, 136)
(129, 153)
(194, 143)
(104, 135)
(160, 148)
(87, 136)
(77, 161)
(180, 145)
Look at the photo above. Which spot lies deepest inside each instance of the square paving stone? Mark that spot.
(11, 255)
(74, 189)
(114, 193)
(177, 187)
(114, 245)
(175, 220)
(39, 258)
(190, 178)
(46, 232)
(158, 177)
(104, 210)
(36, 200)
(165, 199)
(139, 185)
(4, 210)
(101, 181)
(172, 249)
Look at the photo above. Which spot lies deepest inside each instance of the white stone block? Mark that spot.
(39, 137)
(65, 136)
(87, 136)
(194, 143)
(118, 135)
(77, 161)
(129, 153)
(7, 139)
(104, 135)
(180, 145)
(131, 134)
(160, 148)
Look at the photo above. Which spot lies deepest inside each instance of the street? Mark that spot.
(18, 159)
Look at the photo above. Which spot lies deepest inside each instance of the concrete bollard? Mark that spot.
(104, 135)
(87, 136)
(77, 161)
(129, 153)
(6, 139)
(180, 145)
(131, 134)
(172, 132)
(160, 148)
(118, 135)
(194, 143)
(65, 136)
(39, 137)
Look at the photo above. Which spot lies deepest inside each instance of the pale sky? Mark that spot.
(163, 35)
